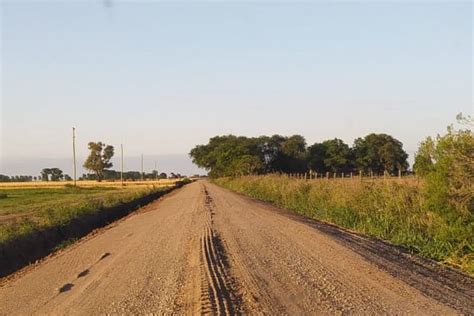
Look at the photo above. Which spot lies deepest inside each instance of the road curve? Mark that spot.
(203, 249)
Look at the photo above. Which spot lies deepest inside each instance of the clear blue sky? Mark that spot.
(161, 77)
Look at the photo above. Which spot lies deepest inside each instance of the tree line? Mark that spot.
(131, 175)
(5, 178)
(47, 174)
(239, 155)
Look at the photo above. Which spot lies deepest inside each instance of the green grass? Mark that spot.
(26, 210)
(396, 212)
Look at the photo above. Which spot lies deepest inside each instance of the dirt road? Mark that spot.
(204, 249)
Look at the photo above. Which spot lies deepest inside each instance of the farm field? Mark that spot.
(24, 209)
(84, 184)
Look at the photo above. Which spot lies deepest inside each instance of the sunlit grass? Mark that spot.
(390, 210)
(28, 209)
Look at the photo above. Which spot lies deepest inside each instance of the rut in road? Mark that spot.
(218, 294)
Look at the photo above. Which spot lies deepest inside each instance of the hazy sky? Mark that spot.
(161, 77)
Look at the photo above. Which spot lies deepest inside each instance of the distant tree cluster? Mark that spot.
(52, 174)
(238, 155)
(4, 178)
(127, 176)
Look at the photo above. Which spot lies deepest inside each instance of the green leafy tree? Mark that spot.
(286, 154)
(56, 174)
(316, 155)
(246, 165)
(224, 155)
(338, 156)
(380, 153)
(424, 157)
(45, 174)
(99, 158)
(331, 155)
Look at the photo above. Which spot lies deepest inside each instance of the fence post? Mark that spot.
(327, 175)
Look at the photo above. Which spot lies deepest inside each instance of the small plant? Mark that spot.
(3, 195)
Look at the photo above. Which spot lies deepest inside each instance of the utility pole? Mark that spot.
(142, 167)
(121, 169)
(74, 154)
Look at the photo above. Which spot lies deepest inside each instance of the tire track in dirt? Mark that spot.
(218, 288)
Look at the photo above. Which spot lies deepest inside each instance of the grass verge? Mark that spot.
(26, 210)
(388, 210)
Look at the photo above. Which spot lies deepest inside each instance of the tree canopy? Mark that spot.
(99, 158)
(231, 155)
(51, 174)
(379, 153)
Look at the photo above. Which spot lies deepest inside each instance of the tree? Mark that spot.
(45, 174)
(424, 157)
(67, 177)
(338, 156)
(380, 153)
(56, 174)
(246, 165)
(224, 155)
(288, 154)
(99, 158)
(316, 155)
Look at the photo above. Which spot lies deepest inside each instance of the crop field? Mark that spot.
(24, 209)
(84, 184)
